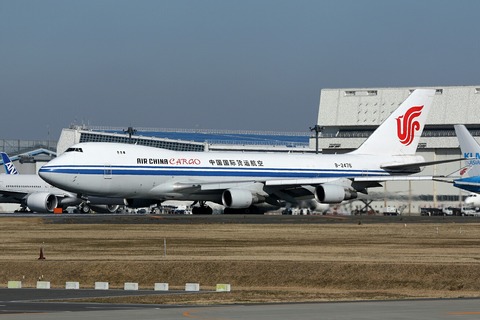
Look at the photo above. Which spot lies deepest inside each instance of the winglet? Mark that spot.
(8, 164)
(460, 173)
(400, 133)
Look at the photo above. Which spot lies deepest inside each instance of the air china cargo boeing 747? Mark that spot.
(239, 180)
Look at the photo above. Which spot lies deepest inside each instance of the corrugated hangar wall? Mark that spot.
(360, 107)
(348, 116)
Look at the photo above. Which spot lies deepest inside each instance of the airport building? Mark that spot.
(346, 118)
(29, 155)
(189, 139)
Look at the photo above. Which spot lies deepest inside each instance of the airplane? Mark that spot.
(240, 180)
(472, 201)
(8, 164)
(468, 177)
(31, 192)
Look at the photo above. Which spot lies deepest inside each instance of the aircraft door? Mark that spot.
(107, 172)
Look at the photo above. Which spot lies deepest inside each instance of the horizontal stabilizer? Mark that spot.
(393, 178)
(409, 167)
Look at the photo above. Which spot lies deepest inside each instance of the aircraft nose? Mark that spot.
(47, 174)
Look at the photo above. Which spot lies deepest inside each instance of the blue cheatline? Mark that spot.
(210, 171)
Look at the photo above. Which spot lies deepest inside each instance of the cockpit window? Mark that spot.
(74, 150)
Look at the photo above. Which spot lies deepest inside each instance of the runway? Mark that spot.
(33, 302)
(464, 309)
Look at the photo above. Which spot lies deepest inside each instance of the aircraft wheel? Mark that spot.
(202, 210)
(85, 208)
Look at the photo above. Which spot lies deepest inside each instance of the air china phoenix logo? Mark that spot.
(407, 125)
(464, 170)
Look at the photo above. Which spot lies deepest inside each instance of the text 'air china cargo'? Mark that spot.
(240, 180)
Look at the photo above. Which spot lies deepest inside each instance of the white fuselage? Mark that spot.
(131, 171)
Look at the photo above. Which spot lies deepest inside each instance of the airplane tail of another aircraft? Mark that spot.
(470, 149)
(400, 133)
(460, 173)
(8, 164)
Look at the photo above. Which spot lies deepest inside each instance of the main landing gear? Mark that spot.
(202, 209)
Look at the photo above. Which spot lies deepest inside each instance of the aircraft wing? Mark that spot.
(20, 197)
(290, 183)
(11, 197)
(291, 190)
(273, 191)
(207, 186)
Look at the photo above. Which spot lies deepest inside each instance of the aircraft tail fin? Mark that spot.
(8, 164)
(470, 149)
(400, 133)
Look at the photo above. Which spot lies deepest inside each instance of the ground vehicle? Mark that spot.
(451, 211)
(390, 211)
(470, 211)
(431, 212)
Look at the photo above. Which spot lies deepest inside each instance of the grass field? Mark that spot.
(262, 262)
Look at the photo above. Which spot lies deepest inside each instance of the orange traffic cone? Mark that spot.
(42, 257)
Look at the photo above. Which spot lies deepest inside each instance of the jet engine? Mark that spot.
(140, 203)
(105, 208)
(42, 202)
(332, 193)
(237, 198)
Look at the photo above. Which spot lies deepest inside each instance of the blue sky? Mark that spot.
(253, 65)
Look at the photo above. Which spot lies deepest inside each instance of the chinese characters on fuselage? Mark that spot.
(236, 163)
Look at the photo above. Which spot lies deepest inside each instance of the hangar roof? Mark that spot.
(218, 136)
(188, 140)
(368, 107)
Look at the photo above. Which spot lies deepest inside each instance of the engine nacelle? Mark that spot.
(140, 203)
(105, 208)
(237, 198)
(42, 202)
(332, 193)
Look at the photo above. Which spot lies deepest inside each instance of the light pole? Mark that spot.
(130, 131)
(317, 130)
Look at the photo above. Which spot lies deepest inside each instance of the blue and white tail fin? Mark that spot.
(470, 149)
(400, 133)
(8, 164)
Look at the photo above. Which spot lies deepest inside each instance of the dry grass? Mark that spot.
(262, 262)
